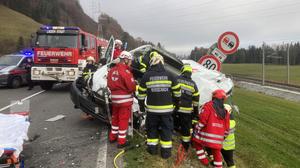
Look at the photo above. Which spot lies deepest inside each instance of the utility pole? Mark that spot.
(263, 64)
(288, 63)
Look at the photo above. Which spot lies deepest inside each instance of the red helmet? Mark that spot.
(219, 94)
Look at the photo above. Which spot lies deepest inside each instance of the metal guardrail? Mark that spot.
(291, 87)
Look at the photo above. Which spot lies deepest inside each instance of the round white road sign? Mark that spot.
(228, 42)
(210, 62)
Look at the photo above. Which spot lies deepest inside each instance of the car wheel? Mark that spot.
(15, 82)
(46, 85)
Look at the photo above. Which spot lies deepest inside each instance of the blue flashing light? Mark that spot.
(46, 28)
(58, 28)
(71, 28)
(27, 52)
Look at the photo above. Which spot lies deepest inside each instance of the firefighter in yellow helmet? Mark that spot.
(162, 92)
(144, 60)
(229, 142)
(89, 69)
(188, 106)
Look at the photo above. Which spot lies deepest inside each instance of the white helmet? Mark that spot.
(125, 54)
(228, 108)
(118, 42)
(90, 58)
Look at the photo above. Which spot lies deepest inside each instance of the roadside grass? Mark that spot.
(267, 135)
(277, 73)
(14, 25)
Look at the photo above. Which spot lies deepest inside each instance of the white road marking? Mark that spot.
(24, 99)
(102, 151)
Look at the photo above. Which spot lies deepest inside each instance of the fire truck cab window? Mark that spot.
(88, 42)
(93, 45)
(57, 40)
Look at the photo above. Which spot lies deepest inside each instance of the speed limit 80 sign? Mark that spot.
(210, 62)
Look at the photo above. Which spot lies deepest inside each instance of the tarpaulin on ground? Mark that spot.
(13, 132)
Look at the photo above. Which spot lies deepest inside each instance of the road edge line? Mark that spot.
(26, 98)
(102, 151)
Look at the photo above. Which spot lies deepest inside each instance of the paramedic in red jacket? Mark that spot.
(122, 86)
(118, 48)
(213, 126)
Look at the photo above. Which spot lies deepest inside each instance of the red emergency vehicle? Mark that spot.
(60, 54)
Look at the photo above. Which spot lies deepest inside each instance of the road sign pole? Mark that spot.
(288, 64)
(263, 64)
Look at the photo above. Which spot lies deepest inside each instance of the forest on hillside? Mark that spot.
(67, 13)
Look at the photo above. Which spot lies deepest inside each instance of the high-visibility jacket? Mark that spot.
(189, 94)
(160, 88)
(211, 129)
(229, 142)
(121, 84)
(88, 70)
(142, 66)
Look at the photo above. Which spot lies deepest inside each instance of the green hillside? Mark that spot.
(14, 25)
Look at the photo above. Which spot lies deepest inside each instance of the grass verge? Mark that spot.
(277, 73)
(267, 135)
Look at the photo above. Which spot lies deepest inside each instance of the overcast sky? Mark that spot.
(180, 25)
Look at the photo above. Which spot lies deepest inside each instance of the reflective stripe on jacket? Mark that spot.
(189, 94)
(160, 88)
(211, 129)
(229, 142)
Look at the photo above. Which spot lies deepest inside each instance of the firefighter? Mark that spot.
(118, 48)
(89, 69)
(211, 129)
(188, 106)
(229, 142)
(28, 66)
(162, 92)
(144, 60)
(122, 86)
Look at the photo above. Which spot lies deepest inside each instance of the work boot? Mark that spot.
(152, 149)
(123, 145)
(166, 153)
(185, 145)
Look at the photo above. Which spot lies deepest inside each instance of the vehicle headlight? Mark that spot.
(36, 72)
(71, 72)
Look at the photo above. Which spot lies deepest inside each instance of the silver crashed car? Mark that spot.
(95, 99)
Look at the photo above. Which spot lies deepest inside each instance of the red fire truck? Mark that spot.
(60, 54)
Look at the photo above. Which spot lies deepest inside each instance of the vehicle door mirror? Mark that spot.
(33, 40)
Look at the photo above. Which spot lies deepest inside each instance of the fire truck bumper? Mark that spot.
(60, 74)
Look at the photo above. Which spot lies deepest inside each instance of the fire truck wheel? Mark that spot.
(46, 85)
(14, 82)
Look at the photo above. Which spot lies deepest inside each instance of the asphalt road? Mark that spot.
(69, 142)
